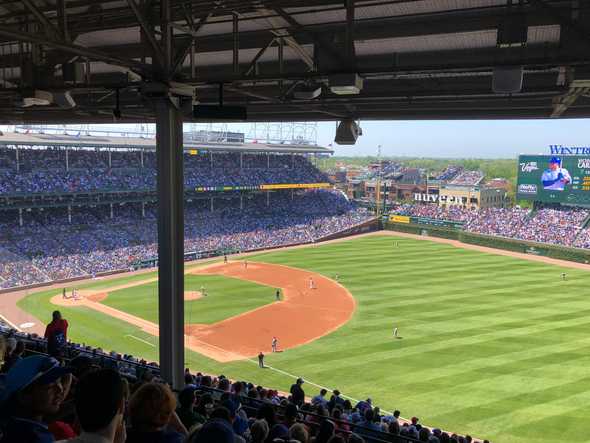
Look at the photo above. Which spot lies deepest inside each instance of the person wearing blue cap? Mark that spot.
(32, 390)
(555, 177)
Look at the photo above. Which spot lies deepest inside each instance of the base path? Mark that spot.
(303, 314)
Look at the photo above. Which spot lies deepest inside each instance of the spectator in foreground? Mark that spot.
(214, 431)
(299, 432)
(100, 405)
(56, 334)
(186, 411)
(259, 431)
(320, 398)
(152, 416)
(297, 393)
(33, 390)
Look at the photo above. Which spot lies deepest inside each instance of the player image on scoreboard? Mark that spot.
(555, 177)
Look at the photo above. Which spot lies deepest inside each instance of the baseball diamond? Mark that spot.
(482, 335)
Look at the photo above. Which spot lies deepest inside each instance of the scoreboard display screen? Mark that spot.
(555, 179)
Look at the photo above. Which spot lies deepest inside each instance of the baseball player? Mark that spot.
(225, 258)
(203, 291)
(311, 283)
(555, 177)
(563, 275)
(278, 295)
(245, 264)
(261, 360)
(274, 344)
(395, 332)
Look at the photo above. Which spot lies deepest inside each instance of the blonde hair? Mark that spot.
(151, 406)
(299, 432)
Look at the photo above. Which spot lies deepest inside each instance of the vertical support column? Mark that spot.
(110, 159)
(267, 198)
(112, 212)
(241, 160)
(241, 202)
(236, 48)
(292, 161)
(141, 157)
(17, 160)
(142, 209)
(211, 206)
(211, 158)
(267, 160)
(170, 241)
(67, 159)
(20, 217)
(70, 214)
(292, 194)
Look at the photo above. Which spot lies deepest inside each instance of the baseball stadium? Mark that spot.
(194, 284)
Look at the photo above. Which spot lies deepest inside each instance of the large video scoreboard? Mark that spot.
(568, 183)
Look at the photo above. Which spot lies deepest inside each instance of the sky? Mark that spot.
(444, 138)
(463, 138)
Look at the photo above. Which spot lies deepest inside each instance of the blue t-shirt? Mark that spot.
(23, 430)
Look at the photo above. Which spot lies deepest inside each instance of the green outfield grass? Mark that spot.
(493, 346)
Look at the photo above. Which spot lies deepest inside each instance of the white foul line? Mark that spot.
(141, 340)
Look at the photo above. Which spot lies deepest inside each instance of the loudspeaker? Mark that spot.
(73, 73)
(223, 113)
(507, 79)
(347, 132)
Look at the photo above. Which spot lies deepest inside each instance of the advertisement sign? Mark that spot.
(554, 178)
(262, 187)
(399, 218)
(296, 186)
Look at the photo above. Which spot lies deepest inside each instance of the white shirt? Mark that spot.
(549, 174)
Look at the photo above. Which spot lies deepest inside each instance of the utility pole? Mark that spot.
(378, 185)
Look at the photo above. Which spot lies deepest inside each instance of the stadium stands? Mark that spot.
(207, 399)
(563, 226)
(48, 248)
(468, 178)
(47, 171)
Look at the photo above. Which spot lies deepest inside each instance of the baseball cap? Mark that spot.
(555, 160)
(36, 369)
(216, 431)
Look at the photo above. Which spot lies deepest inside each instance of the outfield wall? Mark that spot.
(509, 244)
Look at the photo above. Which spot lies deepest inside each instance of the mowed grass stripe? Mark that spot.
(492, 345)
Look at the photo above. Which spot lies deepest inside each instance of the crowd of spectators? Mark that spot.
(43, 171)
(559, 226)
(89, 395)
(48, 248)
(468, 178)
(449, 173)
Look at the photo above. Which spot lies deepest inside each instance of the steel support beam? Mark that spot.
(170, 241)
(148, 32)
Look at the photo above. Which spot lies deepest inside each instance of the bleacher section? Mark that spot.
(355, 421)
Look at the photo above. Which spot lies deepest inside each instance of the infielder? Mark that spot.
(278, 295)
(555, 177)
(274, 344)
(311, 283)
